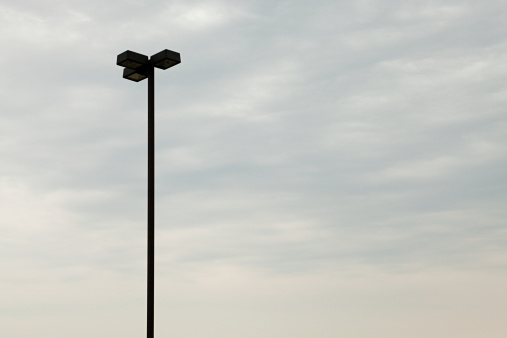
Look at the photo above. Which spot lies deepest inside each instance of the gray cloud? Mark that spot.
(310, 156)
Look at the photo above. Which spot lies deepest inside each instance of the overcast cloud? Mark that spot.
(324, 169)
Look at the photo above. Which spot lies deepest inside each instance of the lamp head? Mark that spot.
(135, 75)
(131, 60)
(165, 59)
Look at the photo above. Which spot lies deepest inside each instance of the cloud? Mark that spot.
(317, 165)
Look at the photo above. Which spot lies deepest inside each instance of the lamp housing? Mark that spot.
(131, 60)
(135, 75)
(165, 59)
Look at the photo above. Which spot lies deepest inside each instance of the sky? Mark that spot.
(323, 169)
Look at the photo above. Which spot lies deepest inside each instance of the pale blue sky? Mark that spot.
(324, 169)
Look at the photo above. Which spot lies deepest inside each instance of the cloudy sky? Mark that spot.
(324, 169)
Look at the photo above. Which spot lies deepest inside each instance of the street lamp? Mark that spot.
(137, 68)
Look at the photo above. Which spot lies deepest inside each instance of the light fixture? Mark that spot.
(131, 60)
(136, 75)
(165, 59)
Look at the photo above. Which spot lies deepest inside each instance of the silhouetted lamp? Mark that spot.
(165, 59)
(137, 65)
(136, 75)
(137, 68)
(131, 60)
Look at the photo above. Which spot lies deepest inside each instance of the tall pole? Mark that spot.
(137, 68)
(151, 203)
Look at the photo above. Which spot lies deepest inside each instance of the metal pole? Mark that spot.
(151, 202)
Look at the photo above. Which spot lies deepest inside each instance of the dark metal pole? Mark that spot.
(151, 202)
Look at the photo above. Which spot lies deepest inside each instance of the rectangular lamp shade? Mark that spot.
(165, 59)
(131, 60)
(135, 75)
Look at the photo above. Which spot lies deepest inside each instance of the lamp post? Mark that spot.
(137, 68)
